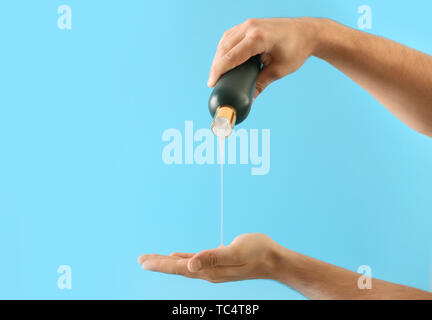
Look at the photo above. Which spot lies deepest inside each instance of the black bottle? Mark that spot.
(231, 98)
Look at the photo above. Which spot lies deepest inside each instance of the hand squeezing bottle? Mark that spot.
(232, 97)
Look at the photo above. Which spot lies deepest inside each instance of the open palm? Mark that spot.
(249, 256)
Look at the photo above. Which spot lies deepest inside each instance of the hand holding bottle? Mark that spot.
(399, 77)
(283, 43)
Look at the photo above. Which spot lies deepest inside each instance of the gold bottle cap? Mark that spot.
(224, 121)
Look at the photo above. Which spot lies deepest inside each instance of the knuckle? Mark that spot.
(251, 22)
(228, 56)
(212, 259)
(226, 34)
(222, 47)
(256, 35)
(155, 265)
(222, 41)
(177, 269)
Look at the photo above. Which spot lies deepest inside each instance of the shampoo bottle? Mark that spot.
(232, 97)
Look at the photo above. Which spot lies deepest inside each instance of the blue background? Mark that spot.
(82, 181)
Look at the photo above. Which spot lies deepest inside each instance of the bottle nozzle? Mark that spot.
(224, 121)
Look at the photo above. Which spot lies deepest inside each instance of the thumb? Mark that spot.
(211, 258)
(266, 76)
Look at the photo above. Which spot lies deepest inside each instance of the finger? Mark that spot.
(165, 264)
(144, 257)
(221, 256)
(229, 39)
(228, 42)
(224, 47)
(266, 76)
(182, 254)
(245, 49)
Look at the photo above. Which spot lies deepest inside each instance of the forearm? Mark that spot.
(316, 279)
(400, 78)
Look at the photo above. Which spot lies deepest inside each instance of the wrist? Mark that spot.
(326, 37)
(334, 42)
(280, 263)
(291, 268)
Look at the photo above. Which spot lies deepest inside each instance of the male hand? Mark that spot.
(283, 43)
(249, 256)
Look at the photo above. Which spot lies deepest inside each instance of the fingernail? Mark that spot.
(144, 266)
(195, 265)
(209, 83)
